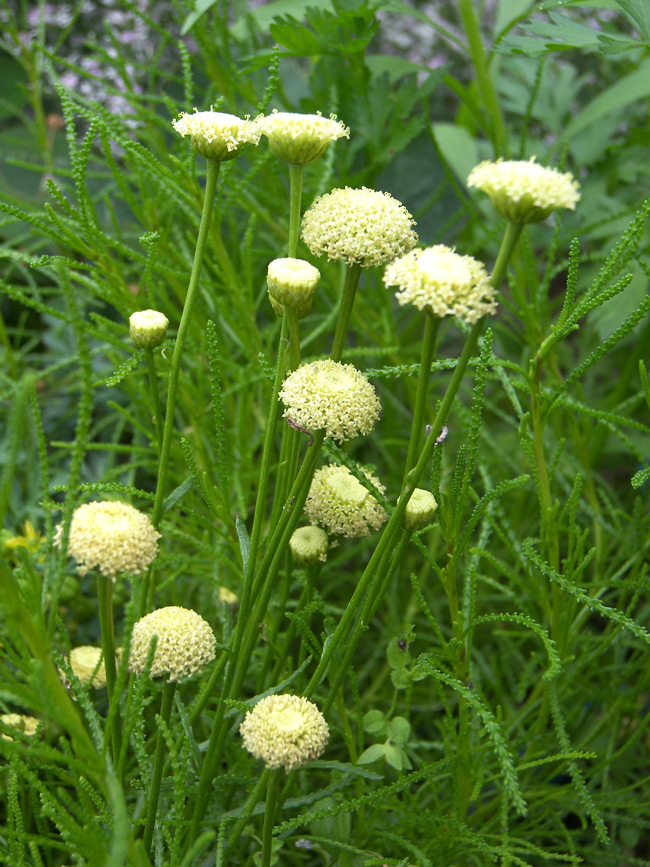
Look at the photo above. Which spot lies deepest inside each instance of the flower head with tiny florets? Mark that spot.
(338, 501)
(361, 227)
(522, 191)
(331, 396)
(300, 138)
(111, 537)
(440, 281)
(87, 663)
(309, 545)
(285, 731)
(216, 135)
(185, 643)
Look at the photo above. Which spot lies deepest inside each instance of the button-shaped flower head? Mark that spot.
(292, 283)
(111, 537)
(285, 731)
(340, 503)
(331, 396)
(185, 643)
(522, 191)
(87, 663)
(148, 328)
(309, 545)
(420, 509)
(216, 135)
(361, 227)
(440, 281)
(300, 138)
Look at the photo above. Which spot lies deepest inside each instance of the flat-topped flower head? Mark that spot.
(420, 509)
(25, 724)
(216, 135)
(111, 537)
(361, 227)
(292, 283)
(309, 545)
(285, 731)
(185, 643)
(439, 281)
(522, 191)
(300, 138)
(340, 503)
(148, 328)
(331, 396)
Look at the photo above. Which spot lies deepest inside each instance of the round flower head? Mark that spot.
(331, 396)
(361, 227)
(185, 643)
(522, 191)
(309, 545)
(420, 509)
(292, 283)
(25, 724)
(148, 328)
(216, 135)
(87, 663)
(111, 537)
(227, 597)
(300, 138)
(339, 502)
(285, 731)
(440, 281)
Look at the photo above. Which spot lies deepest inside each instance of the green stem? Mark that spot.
(350, 283)
(166, 705)
(431, 325)
(105, 606)
(153, 384)
(295, 205)
(269, 815)
(174, 371)
(251, 803)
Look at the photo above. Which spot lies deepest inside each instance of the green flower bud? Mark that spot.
(148, 328)
(309, 545)
(420, 509)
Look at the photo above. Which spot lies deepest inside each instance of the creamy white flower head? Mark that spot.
(339, 502)
(87, 663)
(25, 724)
(300, 138)
(148, 328)
(285, 731)
(522, 191)
(440, 281)
(216, 135)
(420, 509)
(363, 227)
(331, 396)
(185, 643)
(292, 283)
(111, 537)
(309, 545)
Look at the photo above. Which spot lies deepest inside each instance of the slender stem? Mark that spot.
(105, 605)
(250, 805)
(210, 189)
(269, 814)
(431, 325)
(350, 283)
(295, 202)
(157, 409)
(166, 704)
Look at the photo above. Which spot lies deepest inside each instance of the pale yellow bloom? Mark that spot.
(300, 138)
(340, 503)
(420, 509)
(227, 597)
(25, 724)
(185, 643)
(285, 731)
(148, 328)
(309, 545)
(216, 135)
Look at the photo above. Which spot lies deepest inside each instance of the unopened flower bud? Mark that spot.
(309, 545)
(148, 328)
(292, 283)
(420, 509)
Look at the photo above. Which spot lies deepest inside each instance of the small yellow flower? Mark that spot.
(216, 135)
(363, 227)
(300, 138)
(185, 643)
(31, 539)
(285, 731)
(340, 503)
(309, 545)
(522, 191)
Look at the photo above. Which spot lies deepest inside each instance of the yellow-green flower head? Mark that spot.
(522, 191)
(300, 138)
(111, 537)
(227, 597)
(25, 724)
(339, 502)
(420, 509)
(148, 328)
(285, 731)
(439, 281)
(216, 135)
(292, 283)
(362, 227)
(185, 643)
(309, 545)
(87, 663)
(331, 396)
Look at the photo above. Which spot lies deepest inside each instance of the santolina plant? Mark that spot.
(361, 551)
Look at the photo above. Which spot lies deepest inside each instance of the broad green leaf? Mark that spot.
(374, 722)
(458, 148)
(263, 16)
(372, 754)
(398, 730)
(398, 657)
(639, 12)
